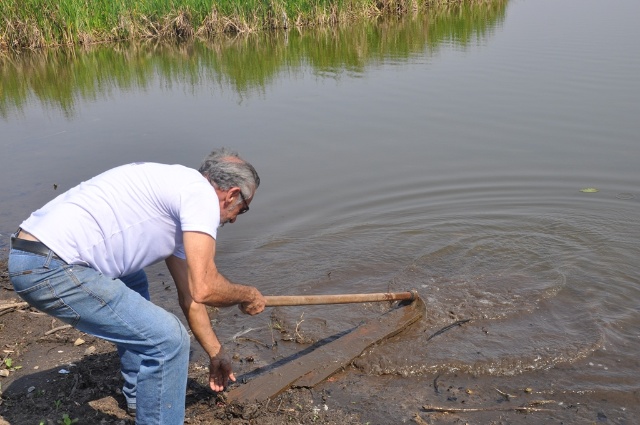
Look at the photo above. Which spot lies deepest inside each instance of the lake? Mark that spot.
(445, 153)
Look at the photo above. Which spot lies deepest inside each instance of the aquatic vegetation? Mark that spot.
(59, 78)
(33, 24)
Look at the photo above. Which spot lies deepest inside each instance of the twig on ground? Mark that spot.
(8, 308)
(14, 305)
(526, 409)
(417, 419)
(76, 379)
(59, 328)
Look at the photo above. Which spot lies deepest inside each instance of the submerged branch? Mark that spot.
(255, 341)
(446, 328)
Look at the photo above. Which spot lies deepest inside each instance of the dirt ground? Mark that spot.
(64, 376)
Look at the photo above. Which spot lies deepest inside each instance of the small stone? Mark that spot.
(4, 373)
(90, 350)
(79, 341)
(528, 390)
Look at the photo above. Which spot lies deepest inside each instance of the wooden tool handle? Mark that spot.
(282, 300)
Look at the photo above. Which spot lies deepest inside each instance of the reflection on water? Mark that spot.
(58, 78)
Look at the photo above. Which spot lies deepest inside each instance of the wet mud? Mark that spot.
(58, 374)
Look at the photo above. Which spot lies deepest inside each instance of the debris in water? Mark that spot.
(589, 190)
(244, 331)
(446, 328)
(505, 395)
(625, 196)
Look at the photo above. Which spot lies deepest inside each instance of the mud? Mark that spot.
(51, 377)
(69, 375)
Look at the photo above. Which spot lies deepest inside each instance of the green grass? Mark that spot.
(33, 24)
(60, 79)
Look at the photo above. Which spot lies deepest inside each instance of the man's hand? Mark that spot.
(255, 305)
(220, 372)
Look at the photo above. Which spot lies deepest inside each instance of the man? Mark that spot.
(80, 258)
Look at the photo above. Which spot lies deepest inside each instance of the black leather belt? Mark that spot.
(33, 247)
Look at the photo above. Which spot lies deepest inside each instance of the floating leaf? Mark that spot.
(625, 196)
(589, 190)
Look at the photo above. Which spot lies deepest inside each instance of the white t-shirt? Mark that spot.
(128, 217)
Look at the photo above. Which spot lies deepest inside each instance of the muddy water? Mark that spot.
(444, 153)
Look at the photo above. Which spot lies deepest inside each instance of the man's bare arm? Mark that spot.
(198, 275)
(220, 371)
(207, 285)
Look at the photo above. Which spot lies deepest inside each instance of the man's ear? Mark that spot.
(233, 195)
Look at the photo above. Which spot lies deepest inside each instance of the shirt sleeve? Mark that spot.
(199, 211)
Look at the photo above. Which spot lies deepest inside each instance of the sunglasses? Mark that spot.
(246, 206)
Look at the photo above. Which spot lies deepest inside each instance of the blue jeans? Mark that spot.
(152, 343)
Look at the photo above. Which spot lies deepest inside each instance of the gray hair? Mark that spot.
(225, 169)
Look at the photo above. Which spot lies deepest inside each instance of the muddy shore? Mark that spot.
(50, 376)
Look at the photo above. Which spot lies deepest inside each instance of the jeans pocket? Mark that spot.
(43, 296)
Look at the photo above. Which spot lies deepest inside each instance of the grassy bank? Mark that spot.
(34, 24)
(60, 79)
